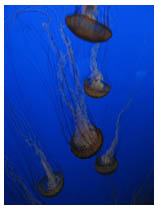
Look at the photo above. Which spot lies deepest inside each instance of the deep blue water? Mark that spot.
(127, 64)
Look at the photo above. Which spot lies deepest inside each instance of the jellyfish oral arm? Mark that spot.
(110, 151)
(90, 11)
(49, 173)
(96, 74)
(93, 60)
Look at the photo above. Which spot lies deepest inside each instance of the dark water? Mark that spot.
(32, 100)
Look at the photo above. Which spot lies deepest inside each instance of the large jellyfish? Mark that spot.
(85, 25)
(53, 181)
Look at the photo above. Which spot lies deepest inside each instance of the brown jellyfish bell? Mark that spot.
(95, 86)
(106, 166)
(87, 139)
(86, 26)
(51, 186)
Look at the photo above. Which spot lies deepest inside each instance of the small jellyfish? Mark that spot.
(85, 25)
(95, 86)
(108, 163)
(52, 183)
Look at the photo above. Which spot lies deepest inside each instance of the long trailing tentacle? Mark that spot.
(24, 192)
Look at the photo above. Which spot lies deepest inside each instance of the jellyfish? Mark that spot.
(95, 86)
(108, 163)
(86, 26)
(53, 181)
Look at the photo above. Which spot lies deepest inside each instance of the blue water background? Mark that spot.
(127, 63)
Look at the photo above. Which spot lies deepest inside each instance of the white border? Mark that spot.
(76, 2)
(79, 2)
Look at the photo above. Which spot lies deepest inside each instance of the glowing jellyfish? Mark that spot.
(95, 86)
(52, 183)
(86, 26)
(86, 138)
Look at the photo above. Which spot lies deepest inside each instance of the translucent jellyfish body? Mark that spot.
(86, 27)
(51, 187)
(86, 142)
(95, 85)
(96, 88)
(106, 165)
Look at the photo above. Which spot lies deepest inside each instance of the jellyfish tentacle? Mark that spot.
(89, 10)
(110, 151)
(18, 126)
(50, 174)
(96, 74)
(14, 176)
(61, 74)
(93, 59)
(78, 89)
